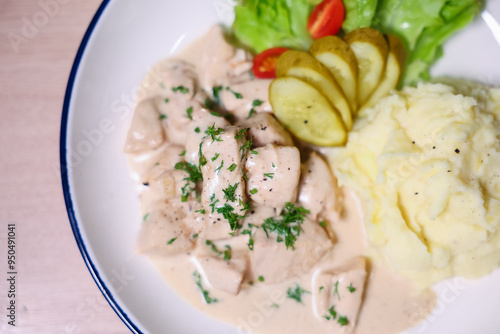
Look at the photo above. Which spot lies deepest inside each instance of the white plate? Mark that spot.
(123, 41)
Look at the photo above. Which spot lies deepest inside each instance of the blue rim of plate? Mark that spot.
(64, 174)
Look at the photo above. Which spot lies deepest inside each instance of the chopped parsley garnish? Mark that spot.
(296, 293)
(274, 305)
(245, 177)
(322, 223)
(202, 161)
(213, 201)
(247, 145)
(202, 211)
(229, 192)
(189, 113)
(163, 116)
(206, 293)
(250, 283)
(269, 175)
(351, 288)
(256, 103)
(180, 89)
(145, 217)
(216, 156)
(332, 314)
(272, 165)
(197, 129)
(253, 191)
(250, 114)
(167, 100)
(226, 253)
(321, 288)
(232, 167)
(250, 239)
(233, 218)
(193, 178)
(214, 133)
(242, 133)
(343, 321)
(213, 104)
(209, 104)
(245, 206)
(336, 291)
(217, 170)
(171, 241)
(287, 226)
(195, 235)
(261, 278)
(183, 153)
(236, 95)
(216, 92)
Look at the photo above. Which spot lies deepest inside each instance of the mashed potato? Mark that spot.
(426, 162)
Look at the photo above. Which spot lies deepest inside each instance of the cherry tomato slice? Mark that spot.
(326, 18)
(264, 64)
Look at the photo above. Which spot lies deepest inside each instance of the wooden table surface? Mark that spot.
(55, 293)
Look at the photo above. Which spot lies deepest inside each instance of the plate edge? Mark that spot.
(64, 173)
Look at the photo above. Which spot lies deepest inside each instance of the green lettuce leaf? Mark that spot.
(422, 25)
(359, 14)
(428, 47)
(264, 24)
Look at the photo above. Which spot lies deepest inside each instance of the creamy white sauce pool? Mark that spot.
(389, 303)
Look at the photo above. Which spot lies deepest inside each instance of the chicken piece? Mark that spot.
(163, 232)
(155, 161)
(318, 190)
(265, 129)
(178, 117)
(273, 175)
(167, 76)
(196, 130)
(240, 99)
(337, 295)
(220, 62)
(146, 131)
(223, 263)
(276, 263)
(170, 184)
(223, 195)
(177, 99)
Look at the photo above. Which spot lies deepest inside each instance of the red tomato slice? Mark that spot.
(264, 64)
(326, 18)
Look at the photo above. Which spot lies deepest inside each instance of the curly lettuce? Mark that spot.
(422, 25)
(359, 14)
(264, 24)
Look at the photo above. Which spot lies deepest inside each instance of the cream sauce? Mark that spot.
(389, 304)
